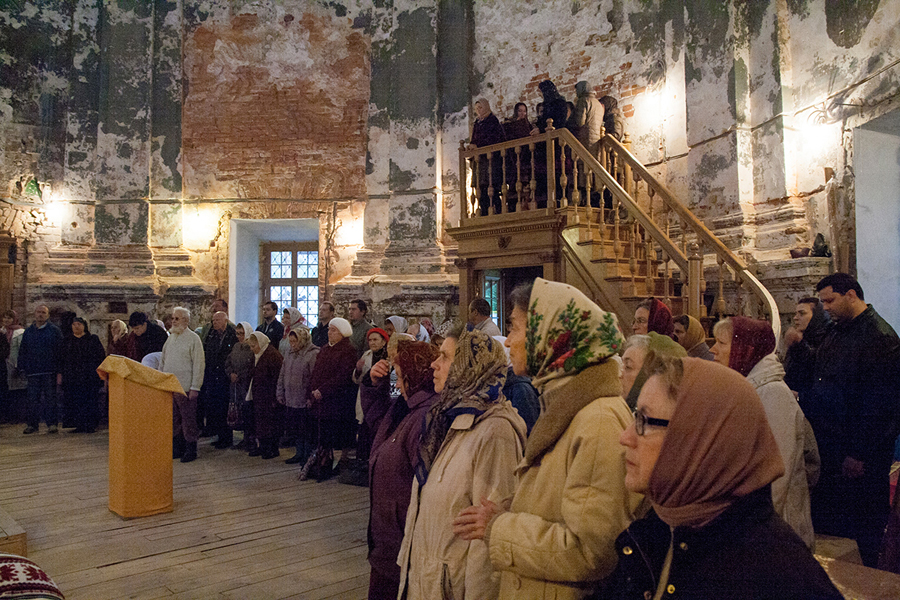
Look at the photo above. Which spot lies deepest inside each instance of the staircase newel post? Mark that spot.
(463, 183)
(695, 273)
(551, 167)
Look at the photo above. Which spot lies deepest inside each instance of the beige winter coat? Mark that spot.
(587, 121)
(557, 540)
(790, 492)
(478, 459)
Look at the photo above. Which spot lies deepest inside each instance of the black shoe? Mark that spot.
(178, 444)
(254, 452)
(295, 460)
(270, 454)
(190, 452)
(29, 430)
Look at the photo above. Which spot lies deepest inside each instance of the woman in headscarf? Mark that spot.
(692, 337)
(82, 354)
(702, 451)
(395, 324)
(332, 391)
(293, 321)
(118, 338)
(802, 340)
(263, 394)
(555, 108)
(416, 330)
(653, 315)
(639, 350)
(238, 366)
(486, 130)
(293, 392)
(472, 439)
(556, 538)
(748, 346)
(393, 459)
(377, 339)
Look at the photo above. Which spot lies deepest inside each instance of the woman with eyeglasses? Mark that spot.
(555, 539)
(702, 452)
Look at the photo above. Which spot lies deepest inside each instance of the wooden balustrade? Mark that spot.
(621, 183)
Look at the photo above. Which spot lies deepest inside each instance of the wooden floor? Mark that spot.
(243, 528)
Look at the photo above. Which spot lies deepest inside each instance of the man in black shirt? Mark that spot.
(145, 336)
(271, 326)
(854, 410)
(320, 331)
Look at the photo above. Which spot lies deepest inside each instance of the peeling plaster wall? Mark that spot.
(737, 106)
(156, 122)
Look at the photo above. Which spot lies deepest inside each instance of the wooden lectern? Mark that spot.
(140, 437)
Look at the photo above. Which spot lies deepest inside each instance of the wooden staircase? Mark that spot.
(641, 242)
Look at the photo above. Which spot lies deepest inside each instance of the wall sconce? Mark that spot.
(199, 227)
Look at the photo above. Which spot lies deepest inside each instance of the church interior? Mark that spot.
(163, 153)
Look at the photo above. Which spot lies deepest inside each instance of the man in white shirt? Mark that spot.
(182, 355)
(480, 317)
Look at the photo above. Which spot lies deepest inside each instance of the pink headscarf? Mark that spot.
(12, 326)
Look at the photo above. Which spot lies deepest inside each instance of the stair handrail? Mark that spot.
(722, 252)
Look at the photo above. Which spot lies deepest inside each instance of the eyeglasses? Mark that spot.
(641, 421)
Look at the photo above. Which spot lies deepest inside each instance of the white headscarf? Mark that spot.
(342, 325)
(263, 341)
(399, 323)
(248, 329)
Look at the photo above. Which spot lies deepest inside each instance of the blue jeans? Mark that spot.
(42, 399)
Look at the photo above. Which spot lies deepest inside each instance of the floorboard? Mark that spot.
(242, 528)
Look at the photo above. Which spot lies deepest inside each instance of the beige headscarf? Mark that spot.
(718, 447)
(566, 332)
(263, 341)
(694, 334)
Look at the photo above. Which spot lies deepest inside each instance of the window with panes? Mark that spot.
(290, 277)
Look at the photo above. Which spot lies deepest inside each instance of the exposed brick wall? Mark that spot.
(276, 109)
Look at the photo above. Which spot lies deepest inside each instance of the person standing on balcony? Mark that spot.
(653, 315)
(613, 120)
(587, 124)
(854, 412)
(480, 317)
(487, 131)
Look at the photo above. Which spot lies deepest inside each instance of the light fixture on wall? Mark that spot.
(199, 227)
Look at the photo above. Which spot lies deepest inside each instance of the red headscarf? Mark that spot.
(660, 319)
(380, 332)
(751, 340)
(718, 447)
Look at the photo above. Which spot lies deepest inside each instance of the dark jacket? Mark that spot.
(40, 350)
(554, 108)
(152, 340)
(216, 350)
(853, 406)
(240, 363)
(375, 399)
(487, 131)
(524, 397)
(79, 362)
(264, 384)
(747, 552)
(274, 331)
(333, 377)
(391, 469)
(319, 335)
(800, 359)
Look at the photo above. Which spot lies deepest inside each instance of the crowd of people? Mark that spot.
(587, 118)
(561, 461)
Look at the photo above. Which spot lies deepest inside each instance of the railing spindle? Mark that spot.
(551, 167)
(504, 187)
(632, 260)
(576, 194)
(720, 301)
(490, 190)
(520, 200)
(563, 179)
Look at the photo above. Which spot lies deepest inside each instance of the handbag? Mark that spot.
(233, 419)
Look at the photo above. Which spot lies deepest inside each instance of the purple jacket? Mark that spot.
(391, 470)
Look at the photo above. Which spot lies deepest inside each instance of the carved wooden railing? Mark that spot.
(636, 219)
